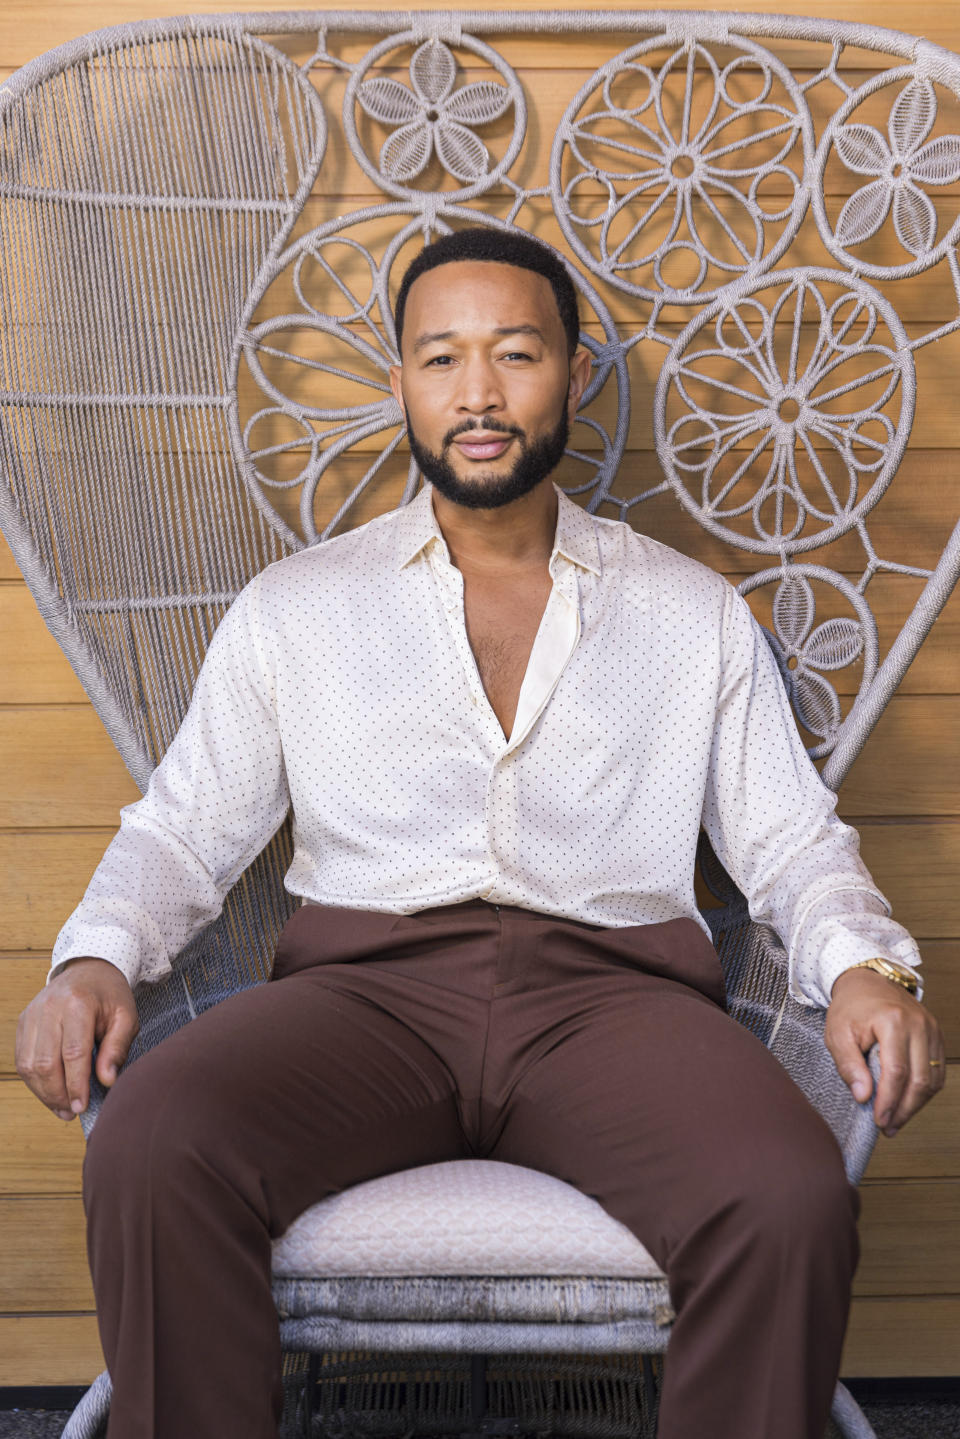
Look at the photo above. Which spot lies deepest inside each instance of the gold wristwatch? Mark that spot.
(896, 973)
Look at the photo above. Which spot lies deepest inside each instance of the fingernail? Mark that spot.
(63, 1114)
(77, 1106)
(890, 1131)
(861, 1091)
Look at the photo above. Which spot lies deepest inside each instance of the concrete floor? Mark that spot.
(940, 1420)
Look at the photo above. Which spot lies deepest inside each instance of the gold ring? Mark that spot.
(935, 1063)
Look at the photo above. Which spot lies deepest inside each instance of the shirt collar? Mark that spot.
(576, 538)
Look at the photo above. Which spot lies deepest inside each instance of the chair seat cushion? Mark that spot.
(462, 1217)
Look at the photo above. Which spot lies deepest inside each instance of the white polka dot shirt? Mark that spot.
(342, 682)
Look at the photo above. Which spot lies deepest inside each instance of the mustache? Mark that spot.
(484, 427)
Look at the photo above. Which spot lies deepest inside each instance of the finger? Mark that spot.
(39, 1060)
(895, 1071)
(115, 1044)
(851, 1065)
(925, 1078)
(77, 1050)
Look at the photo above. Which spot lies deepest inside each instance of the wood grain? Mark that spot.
(36, 671)
(910, 1240)
(929, 1146)
(45, 1261)
(26, 31)
(893, 1338)
(31, 662)
(936, 423)
(887, 1338)
(48, 1349)
(42, 1155)
(43, 874)
(23, 975)
(67, 771)
(901, 529)
(57, 814)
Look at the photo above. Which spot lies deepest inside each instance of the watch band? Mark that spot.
(896, 973)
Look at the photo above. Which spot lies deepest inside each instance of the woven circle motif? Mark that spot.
(773, 410)
(807, 651)
(897, 169)
(296, 358)
(429, 115)
(690, 158)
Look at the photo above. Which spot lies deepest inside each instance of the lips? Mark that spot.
(482, 446)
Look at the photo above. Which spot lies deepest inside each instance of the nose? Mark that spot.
(479, 391)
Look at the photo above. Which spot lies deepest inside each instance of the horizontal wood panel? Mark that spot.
(895, 1338)
(901, 529)
(925, 301)
(24, 975)
(43, 875)
(27, 33)
(887, 1338)
(913, 864)
(46, 1349)
(45, 1263)
(936, 422)
(910, 1241)
(911, 762)
(36, 672)
(928, 1147)
(41, 1154)
(64, 769)
(910, 1238)
(352, 380)
(32, 664)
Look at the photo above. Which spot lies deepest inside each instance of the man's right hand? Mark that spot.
(87, 1002)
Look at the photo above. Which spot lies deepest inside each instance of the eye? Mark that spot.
(439, 361)
(517, 355)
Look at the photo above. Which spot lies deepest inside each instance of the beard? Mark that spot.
(490, 492)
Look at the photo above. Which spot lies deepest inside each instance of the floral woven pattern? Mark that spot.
(431, 114)
(685, 175)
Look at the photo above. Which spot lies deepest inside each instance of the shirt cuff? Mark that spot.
(842, 930)
(118, 932)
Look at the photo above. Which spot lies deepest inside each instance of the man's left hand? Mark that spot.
(866, 1009)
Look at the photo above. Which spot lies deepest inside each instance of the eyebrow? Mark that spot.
(436, 336)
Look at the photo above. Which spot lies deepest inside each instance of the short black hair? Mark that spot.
(504, 247)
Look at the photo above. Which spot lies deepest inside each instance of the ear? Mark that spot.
(396, 372)
(580, 367)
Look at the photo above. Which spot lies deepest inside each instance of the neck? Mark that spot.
(515, 536)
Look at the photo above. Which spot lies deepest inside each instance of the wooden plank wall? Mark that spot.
(63, 785)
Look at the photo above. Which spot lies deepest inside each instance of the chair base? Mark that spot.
(340, 1396)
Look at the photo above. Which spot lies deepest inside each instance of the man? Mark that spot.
(500, 723)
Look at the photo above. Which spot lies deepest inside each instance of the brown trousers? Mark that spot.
(602, 1056)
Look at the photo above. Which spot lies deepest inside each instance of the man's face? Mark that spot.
(486, 381)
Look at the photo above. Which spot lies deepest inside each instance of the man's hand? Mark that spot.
(88, 1002)
(866, 1009)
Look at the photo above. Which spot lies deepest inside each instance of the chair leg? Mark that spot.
(849, 1417)
(89, 1419)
